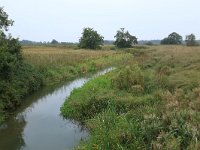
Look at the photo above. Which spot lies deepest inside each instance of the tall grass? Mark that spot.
(56, 56)
(164, 115)
(61, 63)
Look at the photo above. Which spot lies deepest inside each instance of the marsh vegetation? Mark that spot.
(149, 102)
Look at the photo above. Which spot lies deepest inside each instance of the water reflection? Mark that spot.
(37, 125)
(11, 137)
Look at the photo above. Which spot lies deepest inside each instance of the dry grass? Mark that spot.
(183, 55)
(63, 63)
(182, 62)
(42, 56)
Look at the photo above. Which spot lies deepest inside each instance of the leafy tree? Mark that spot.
(10, 49)
(191, 40)
(17, 79)
(54, 42)
(4, 21)
(90, 39)
(124, 39)
(173, 38)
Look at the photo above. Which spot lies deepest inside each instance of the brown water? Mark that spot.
(38, 125)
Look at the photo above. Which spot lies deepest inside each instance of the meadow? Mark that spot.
(151, 101)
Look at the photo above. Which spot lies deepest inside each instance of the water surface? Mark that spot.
(38, 125)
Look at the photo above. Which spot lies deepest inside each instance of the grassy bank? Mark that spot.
(48, 66)
(150, 102)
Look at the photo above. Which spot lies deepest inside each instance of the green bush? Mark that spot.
(130, 79)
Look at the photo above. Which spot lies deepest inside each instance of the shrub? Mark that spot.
(130, 79)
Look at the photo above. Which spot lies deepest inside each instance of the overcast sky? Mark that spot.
(63, 20)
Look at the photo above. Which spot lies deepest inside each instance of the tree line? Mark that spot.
(176, 39)
(92, 40)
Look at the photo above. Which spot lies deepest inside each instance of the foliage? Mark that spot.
(124, 39)
(191, 40)
(9, 48)
(17, 79)
(130, 79)
(90, 39)
(173, 38)
(4, 21)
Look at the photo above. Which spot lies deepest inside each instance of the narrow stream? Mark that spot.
(38, 125)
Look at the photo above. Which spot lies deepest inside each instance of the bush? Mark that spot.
(130, 79)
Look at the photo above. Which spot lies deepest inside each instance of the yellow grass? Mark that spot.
(180, 54)
(42, 56)
(183, 63)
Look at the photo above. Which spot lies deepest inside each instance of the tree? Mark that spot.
(173, 38)
(4, 21)
(54, 42)
(191, 40)
(90, 39)
(17, 78)
(10, 49)
(124, 39)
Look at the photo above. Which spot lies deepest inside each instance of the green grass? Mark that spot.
(151, 102)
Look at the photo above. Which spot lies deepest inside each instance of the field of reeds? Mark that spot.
(58, 56)
(149, 102)
(61, 63)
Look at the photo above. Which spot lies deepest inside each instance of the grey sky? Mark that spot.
(43, 20)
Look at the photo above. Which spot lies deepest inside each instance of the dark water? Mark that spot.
(37, 125)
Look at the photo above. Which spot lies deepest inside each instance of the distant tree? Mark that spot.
(124, 39)
(173, 38)
(191, 40)
(54, 42)
(90, 39)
